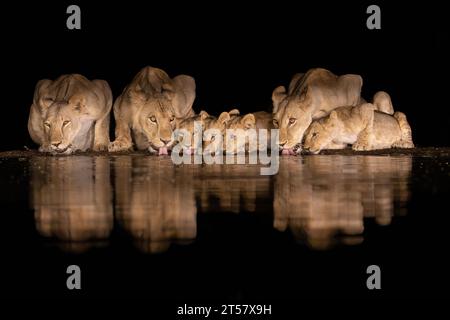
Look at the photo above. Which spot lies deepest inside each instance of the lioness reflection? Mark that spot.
(71, 198)
(154, 202)
(326, 198)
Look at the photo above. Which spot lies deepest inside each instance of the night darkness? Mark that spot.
(237, 54)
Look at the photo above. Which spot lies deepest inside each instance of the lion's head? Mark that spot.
(292, 115)
(237, 135)
(189, 132)
(155, 119)
(214, 131)
(65, 122)
(320, 133)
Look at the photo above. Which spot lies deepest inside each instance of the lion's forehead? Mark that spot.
(159, 106)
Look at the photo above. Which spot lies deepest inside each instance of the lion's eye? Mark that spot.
(152, 119)
(65, 123)
(47, 124)
(275, 123)
(213, 138)
(292, 120)
(172, 118)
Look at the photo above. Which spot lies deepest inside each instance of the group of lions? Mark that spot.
(318, 110)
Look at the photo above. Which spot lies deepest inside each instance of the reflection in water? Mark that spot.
(325, 198)
(230, 188)
(321, 199)
(71, 197)
(155, 202)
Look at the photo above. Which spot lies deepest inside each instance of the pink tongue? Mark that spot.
(163, 151)
(286, 152)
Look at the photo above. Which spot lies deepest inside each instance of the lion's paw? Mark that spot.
(403, 145)
(117, 146)
(358, 146)
(44, 149)
(100, 147)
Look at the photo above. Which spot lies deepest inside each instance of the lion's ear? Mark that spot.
(46, 102)
(79, 104)
(278, 95)
(42, 96)
(168, 91)
(204, 115)
(306, 94)
(333, 115)
(234, 112)
(224, 118)
(249, 121)
(137, 96)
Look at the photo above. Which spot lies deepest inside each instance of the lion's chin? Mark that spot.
(65, 151)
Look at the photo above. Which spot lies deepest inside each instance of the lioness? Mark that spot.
(240, 138)
(364, 127)
(148, 107)
(310, 96)
(70, 113)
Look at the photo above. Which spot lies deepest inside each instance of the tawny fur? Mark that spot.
(70, 113)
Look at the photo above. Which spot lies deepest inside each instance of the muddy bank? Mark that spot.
(421, 151)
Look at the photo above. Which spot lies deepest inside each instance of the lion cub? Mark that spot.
(363, 127)
(240, 138)
(208, 132)
(70, 113)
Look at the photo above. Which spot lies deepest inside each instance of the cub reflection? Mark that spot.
(324, 199)
(71, 198)
(154, 202)
(230, 188)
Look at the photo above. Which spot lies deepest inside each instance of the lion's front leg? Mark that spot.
(364, 141)
(101, 134)
(335, 146)
(123, 140)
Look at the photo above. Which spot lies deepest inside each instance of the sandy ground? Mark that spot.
(421, 151)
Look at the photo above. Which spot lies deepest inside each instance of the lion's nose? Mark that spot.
(56, 144)
(165, 141)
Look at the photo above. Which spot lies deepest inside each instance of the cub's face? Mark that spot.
(188, 131)
(321, 133)
(214, 130)
(64, 123)
(239, 133)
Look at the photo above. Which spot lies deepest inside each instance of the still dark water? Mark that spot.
(138, 226)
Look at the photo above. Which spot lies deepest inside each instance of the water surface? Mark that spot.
(141, 225)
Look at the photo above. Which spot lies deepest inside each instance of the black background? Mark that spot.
(238, 53)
